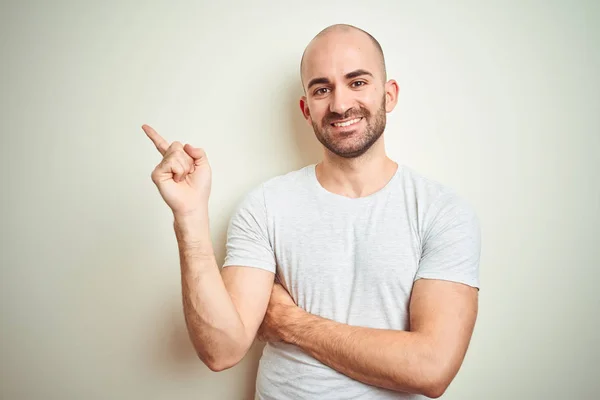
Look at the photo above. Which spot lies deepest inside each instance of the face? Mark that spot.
(346, 97)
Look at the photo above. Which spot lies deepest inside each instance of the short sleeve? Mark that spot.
(248, 242)
(451, 243)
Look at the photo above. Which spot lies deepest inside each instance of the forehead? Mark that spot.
(335, 55)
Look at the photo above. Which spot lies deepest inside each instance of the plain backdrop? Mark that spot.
(499, 100)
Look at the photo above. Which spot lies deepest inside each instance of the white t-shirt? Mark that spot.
(353, 261)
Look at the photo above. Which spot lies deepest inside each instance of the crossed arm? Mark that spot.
(224, 311)
(422, 360)
(224, 315)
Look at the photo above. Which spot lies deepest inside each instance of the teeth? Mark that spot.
(352, 121)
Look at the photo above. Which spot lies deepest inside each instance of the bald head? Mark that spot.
(341, 36)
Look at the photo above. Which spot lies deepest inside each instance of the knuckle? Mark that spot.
(164, 164)
(178, 169)
(186, 160)
(169, 159)
(180, 161)
(173, 148)
(155, 175)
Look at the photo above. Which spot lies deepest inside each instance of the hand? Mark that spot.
(281, 307)
(183, 177)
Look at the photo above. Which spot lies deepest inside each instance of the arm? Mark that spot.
(221, 313)
(443, 309)
(222, 310)
(423, 360)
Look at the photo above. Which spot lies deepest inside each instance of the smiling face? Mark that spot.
(346, 96)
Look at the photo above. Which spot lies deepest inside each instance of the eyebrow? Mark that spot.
(357, 73)
(349, 75)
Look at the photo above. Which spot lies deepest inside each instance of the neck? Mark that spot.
(356, 177)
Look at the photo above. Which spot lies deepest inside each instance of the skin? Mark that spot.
(353, 165)
(224, 310)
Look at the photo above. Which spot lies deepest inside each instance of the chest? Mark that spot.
(330, 259)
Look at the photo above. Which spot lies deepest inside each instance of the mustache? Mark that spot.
(350, 113)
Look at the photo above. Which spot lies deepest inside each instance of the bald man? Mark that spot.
(376, 267)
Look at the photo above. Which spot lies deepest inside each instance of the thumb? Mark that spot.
(194, 152)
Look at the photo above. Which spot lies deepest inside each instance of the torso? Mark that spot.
(349, 260)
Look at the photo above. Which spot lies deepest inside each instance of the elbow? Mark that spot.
(438, 383)
(436, 380)
(434, 390)
(221, 358)
(430, 384)
(218, 364)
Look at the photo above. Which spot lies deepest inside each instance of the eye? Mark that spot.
(356, 84)
(320, 91)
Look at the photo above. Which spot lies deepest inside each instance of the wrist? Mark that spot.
(192, 231)
(200, 213)
(293, 322)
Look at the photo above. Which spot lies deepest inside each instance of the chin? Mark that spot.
(349, 151)
(352, 147)
(353, 153)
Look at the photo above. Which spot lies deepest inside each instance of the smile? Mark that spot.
(347, 123)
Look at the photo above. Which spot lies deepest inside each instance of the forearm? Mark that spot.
(213, 323)
(397, 360)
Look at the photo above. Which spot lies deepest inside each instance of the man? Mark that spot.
(378, 266)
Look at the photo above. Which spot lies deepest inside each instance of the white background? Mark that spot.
(499, 100)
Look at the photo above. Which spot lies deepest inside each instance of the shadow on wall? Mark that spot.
(307, 147)
(177, 358)
(178, 355)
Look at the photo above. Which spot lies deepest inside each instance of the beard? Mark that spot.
(352, 147)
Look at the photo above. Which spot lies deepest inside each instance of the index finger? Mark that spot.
(161, 144)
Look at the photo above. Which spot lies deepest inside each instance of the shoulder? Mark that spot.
(433, 198)
(287, 182)
(285, 185)
(279, 187)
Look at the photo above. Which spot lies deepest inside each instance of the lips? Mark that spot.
(346, 123)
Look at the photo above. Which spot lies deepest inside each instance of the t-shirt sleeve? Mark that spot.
(451, 243)
(248, 242)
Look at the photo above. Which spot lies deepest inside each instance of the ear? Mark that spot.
(391, 95)
(305, 109)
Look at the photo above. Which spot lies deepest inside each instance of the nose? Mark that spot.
(341, 101)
